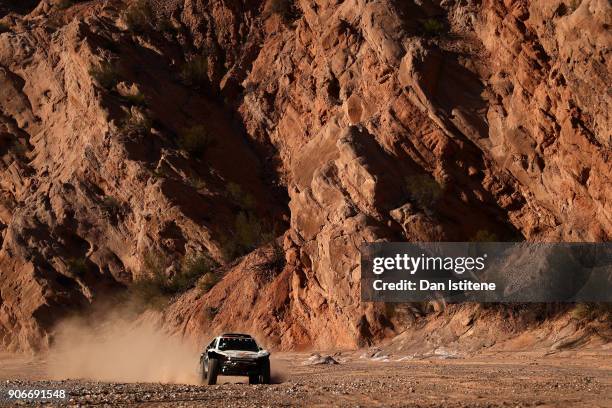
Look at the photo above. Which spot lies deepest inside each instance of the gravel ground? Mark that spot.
(483, 382)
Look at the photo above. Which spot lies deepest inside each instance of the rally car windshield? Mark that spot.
(238, 344)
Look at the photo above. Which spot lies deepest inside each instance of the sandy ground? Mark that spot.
(501, 380)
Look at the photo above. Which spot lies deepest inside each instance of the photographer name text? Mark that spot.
(424, 284)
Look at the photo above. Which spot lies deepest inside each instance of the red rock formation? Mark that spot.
(381, 120)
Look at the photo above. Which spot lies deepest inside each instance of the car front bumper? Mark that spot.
(240, 367)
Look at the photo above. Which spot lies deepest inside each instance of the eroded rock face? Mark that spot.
(90, 185)
(377, 123)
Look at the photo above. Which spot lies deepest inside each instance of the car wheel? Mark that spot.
(203, 373)
(213, 371)
(265, 373)
(253, 379)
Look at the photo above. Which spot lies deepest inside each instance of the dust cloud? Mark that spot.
(118, 350)
(279, 370)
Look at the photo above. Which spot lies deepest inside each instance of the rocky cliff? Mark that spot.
(137, 137)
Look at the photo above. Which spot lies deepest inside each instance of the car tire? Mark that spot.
(253, 379)
(203, 373)
(213, 371)
(265, 373)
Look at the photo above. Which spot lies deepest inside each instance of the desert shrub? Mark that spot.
(106, 75)
(164, 25)
(243, 199)
(136, 99)
(432, 27)
(286, 9)
(138, 16)
(77, 266)
(210, 312)
(592, 311)
(248, 230)
(484, 236)
(192, 269)
(155, 287)
(195, 140)
(148, 290)
(234, 190)
(136, 121)
(246, 235)
(275, 262)
(150, 287)
(197, 182)
(64, 4)
(424, 190)
(155, 263)
(194, 72)
(207, 282)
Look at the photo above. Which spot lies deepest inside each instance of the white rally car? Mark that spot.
(237, 355)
